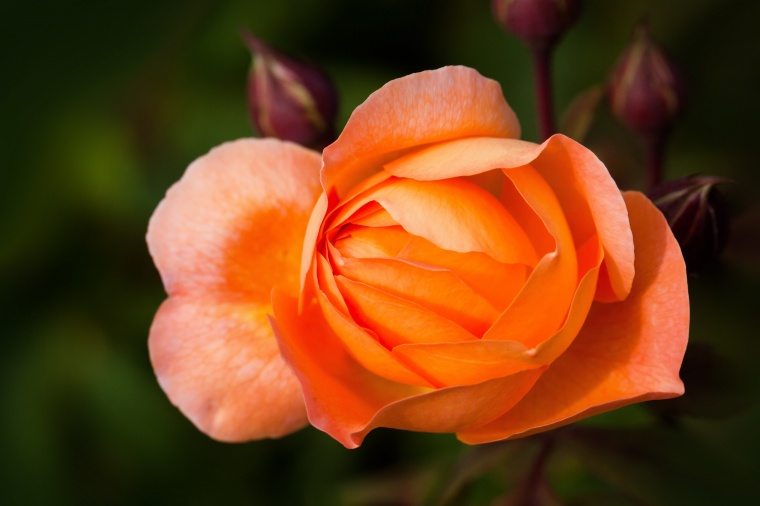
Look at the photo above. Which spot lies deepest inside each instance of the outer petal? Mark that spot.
(226, 233)
(589, 189)
(235, 219)
(336, 405)
(220, 365)
(626, 352)
(423, 108)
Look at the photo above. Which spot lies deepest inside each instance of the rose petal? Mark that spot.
(373, 216)
(496, 282)
(364, 346)
(589, 188)
(235, 221)
(542, 305)
(471, 362)
(364, 242)
(438, 290)
(452, 409)
(422, 108)
(626, 352)
(225, 234)
(584, 189)
(311, 236)
(219, 364)
(463, 157)
(457, 215)
(396, 320)
(326, 283)
(335, 405)
(327, 373)
(355, 203)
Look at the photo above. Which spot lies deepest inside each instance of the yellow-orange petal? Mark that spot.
(219, 364)
(541, 306)
(626, 352)
(373, 242)
(226, 233)
(341, 396)
(364, 346)
(463, 157)
(588, 188)
(347, 401)
(496, 282)
(471, 362)
(584, 188)
(452, 409)
(423, 108)
(311, 236)
(396, 320)
(372, 215)
(436, 289)
(457, 215)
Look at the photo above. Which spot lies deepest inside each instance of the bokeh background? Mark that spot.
(103, 104)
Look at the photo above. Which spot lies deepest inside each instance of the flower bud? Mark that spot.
(289, 99)
(645, 93)
(697, 216)
(538, 23)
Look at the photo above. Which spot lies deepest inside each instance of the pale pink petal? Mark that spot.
(228, 232)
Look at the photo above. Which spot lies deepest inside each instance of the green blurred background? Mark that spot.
(103, 104)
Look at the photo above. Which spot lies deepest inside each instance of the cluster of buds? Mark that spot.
(289, 99)
(697, 215)
(537, 23)
(645, 92)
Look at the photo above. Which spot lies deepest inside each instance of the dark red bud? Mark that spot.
(697, 215)
(538, 23)
(645, 92)
(289, 99)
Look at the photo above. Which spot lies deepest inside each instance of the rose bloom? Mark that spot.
(428, 272)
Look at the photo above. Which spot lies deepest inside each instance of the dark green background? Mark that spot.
(104, 103)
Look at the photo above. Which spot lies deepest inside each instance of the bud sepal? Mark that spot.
(289, 99)
(697, 215)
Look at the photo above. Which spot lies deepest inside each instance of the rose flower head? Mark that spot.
(428, 272)
(289, 99)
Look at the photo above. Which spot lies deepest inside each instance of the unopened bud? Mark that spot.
(697, 215)
(289, 99)
(538, 23)
(645, 93)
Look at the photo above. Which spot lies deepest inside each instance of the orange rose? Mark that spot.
(436, 274)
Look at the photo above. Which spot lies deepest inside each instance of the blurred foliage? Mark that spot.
(104, 104)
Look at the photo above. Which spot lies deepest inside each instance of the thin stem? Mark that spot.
(542, 74)
(654, 144)
(533, 491)
(537, 471)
